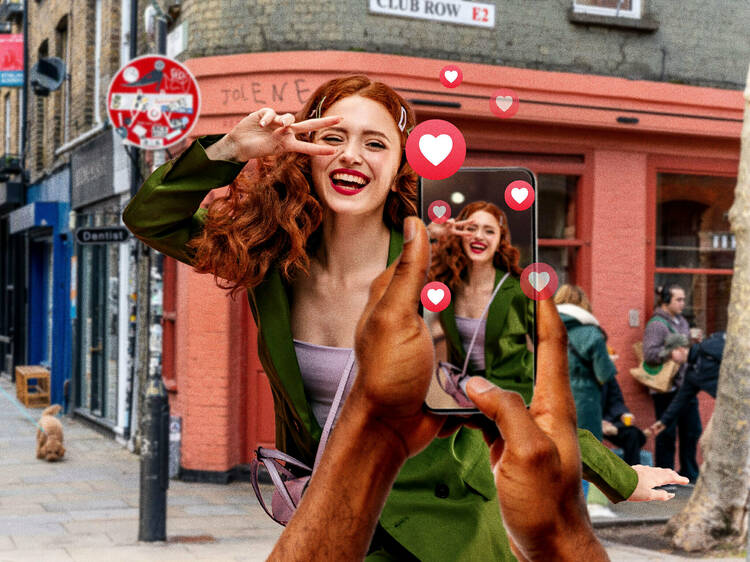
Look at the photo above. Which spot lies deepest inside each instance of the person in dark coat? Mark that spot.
(617, 423)
(704, 362)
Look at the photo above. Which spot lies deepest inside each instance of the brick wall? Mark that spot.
(695, 43)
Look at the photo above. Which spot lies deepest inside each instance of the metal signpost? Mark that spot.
(153, 103)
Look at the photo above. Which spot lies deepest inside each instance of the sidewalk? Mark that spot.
(85, 508)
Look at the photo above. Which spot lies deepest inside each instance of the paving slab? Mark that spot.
(88, 504)
(37, 555)
(31, 542)
(6, 543)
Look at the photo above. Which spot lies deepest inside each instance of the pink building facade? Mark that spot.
(635, 179)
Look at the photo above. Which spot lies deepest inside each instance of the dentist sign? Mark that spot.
(153, 102)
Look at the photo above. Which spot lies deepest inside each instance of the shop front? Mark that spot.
(634, 181)
(12, 278)
(42, 226)
(102, 271)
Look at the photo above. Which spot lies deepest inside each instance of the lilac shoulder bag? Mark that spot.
(288, 487)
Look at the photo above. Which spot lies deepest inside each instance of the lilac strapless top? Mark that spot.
(322, 368)
(466, 329)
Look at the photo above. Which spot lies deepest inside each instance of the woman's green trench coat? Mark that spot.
(443, 505)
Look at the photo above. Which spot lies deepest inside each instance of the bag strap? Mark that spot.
(263, 454)
(333, 412)
(664, 321)
(484, 312)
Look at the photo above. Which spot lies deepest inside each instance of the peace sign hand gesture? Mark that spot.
(265, 133)
(451, 227)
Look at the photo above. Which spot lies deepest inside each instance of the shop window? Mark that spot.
(97, 344)
(558, 241)
(694, 246)
(616, 8)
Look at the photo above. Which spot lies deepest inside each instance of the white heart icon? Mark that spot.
(439, 210)
(504, 102)
(435, 149)
(539, 280)
(435, 295)
(451, 75)
(519, 194)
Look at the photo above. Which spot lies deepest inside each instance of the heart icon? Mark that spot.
(519, 194)
(436, 295)
(451, 75)
(539, 280)
(435, 149)
(504, 102)
(439, 210)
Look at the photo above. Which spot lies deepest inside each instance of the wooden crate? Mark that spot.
(32, 386)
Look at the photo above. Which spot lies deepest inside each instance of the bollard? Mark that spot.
(154, 463)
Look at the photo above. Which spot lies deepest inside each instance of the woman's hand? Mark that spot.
(451, 227)
(649, 477)
(264, 133)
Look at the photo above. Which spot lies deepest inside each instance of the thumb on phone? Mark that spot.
(508, 410)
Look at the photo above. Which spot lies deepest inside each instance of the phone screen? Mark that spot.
(478, 254)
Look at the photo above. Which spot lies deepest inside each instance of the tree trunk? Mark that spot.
(717, 513)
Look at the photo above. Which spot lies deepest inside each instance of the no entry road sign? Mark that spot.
(153, 102)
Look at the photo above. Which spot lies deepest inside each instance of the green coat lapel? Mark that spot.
(495, 322)
(496, 316)
(274, 322)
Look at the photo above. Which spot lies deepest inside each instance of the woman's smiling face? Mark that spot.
(357, 178)
(483, 243)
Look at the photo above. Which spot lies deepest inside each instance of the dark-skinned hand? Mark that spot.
(536, 460)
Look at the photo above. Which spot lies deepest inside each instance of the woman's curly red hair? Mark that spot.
(450, 264)
(271, 218)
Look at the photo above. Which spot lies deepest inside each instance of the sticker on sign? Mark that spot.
(153, 102)
(451, 11)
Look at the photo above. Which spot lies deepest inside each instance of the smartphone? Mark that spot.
(488, 328)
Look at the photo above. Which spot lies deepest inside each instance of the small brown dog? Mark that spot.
(49, 443)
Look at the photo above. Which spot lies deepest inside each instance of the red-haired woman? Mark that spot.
(305, 235)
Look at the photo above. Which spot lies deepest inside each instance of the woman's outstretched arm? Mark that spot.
(165, 213)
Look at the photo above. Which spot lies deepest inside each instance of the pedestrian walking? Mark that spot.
(667, 337)
(588, 358)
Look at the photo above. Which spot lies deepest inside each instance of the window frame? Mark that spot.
(676, 165)
(635, 12)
